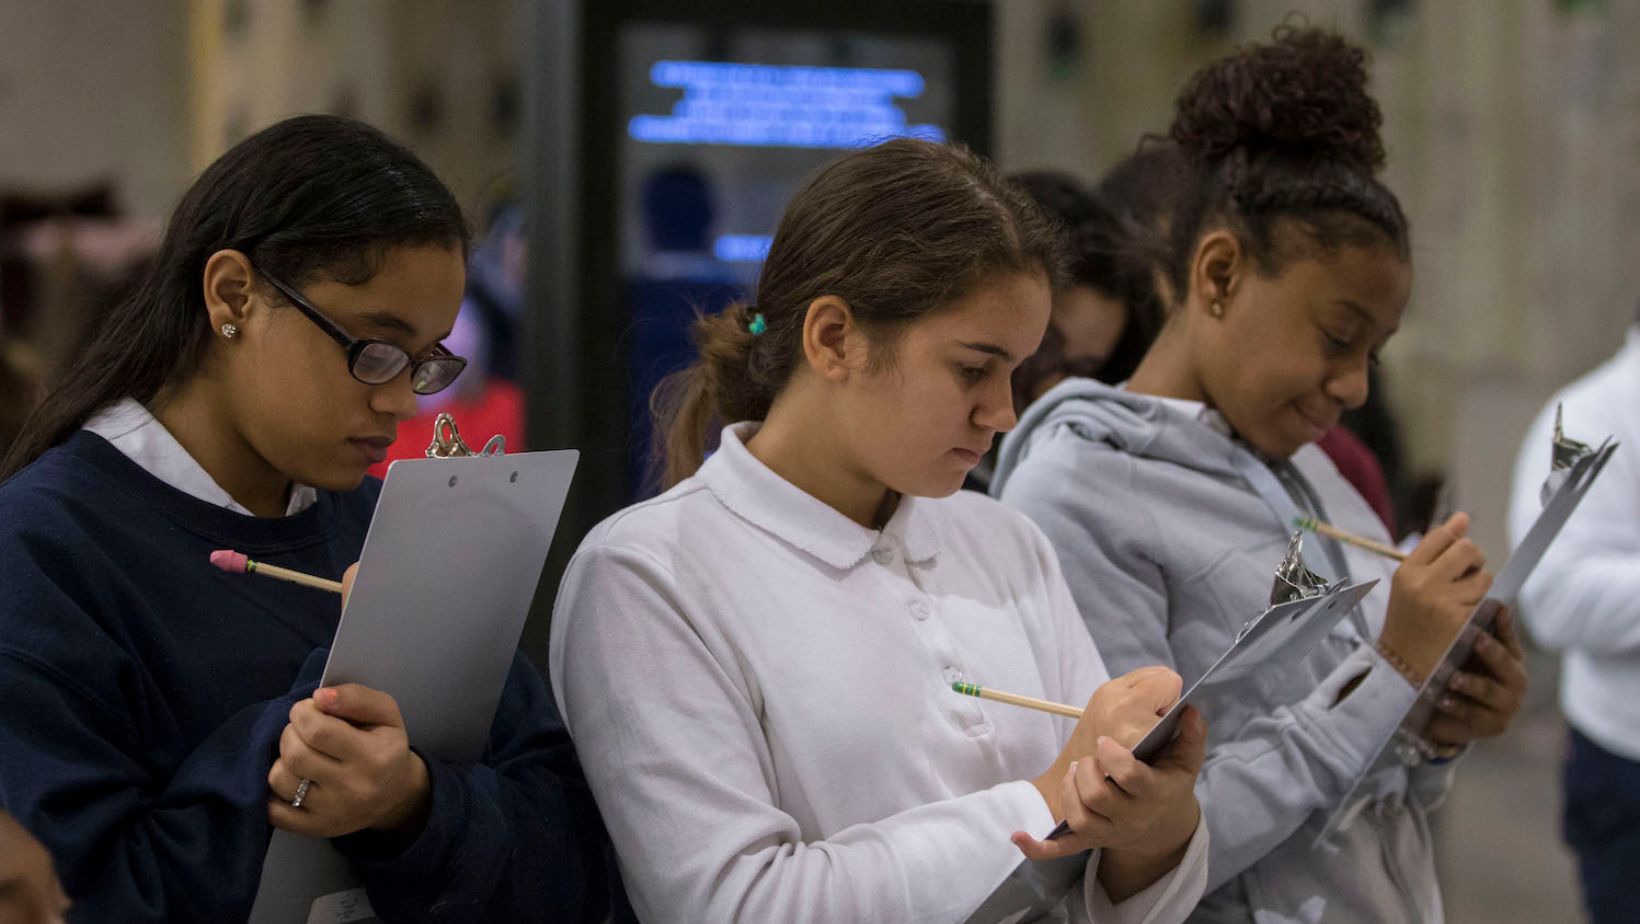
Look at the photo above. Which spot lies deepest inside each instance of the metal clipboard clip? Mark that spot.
(1564, 454)
(447, 442)
(1293, 580)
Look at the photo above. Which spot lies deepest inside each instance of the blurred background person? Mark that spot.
(1584, 600)
(1106, 318)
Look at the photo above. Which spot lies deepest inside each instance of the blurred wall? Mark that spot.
(91, 89)
(439, 76)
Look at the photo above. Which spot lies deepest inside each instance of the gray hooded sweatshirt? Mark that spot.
(1169, 532)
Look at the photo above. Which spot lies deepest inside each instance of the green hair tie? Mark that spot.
(758, 324)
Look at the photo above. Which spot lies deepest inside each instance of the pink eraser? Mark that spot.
(230, 561)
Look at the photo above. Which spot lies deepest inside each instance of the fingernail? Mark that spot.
(326, 696)
(1448, 703)
(1102, 739)
(1073, 766)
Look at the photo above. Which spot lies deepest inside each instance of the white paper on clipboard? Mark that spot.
(1279, 635)
(1505, 591)
(449, 568)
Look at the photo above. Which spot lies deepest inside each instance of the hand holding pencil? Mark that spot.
(1430, 598)
(1109, 798)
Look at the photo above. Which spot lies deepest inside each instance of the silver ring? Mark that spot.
(301, 793)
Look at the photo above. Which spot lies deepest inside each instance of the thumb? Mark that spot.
(1039, 851)
(1189, 749)
(347, 582)
(1458, 523)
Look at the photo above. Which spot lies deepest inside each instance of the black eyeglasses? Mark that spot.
(377, 362)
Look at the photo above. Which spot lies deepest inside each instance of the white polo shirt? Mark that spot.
(760, 692)
(1584, 596)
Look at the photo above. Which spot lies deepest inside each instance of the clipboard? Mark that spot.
(1575, 482)
(445, 581)
(1283, 631)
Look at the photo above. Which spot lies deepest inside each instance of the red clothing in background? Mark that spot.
(1360, 468)
(499, 408)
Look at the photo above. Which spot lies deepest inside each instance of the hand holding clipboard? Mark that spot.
(1294, 625)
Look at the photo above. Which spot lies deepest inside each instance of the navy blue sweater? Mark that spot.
(142, 694)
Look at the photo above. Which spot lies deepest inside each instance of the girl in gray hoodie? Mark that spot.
(1170, 499)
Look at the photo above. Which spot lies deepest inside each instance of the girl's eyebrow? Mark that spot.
(990, 348)
(1365, 315)
(386, 320)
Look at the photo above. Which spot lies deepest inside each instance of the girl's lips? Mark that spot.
(373, 448)
(1319, 426)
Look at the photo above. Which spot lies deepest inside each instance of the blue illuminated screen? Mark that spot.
(717, 127)
(782, 105)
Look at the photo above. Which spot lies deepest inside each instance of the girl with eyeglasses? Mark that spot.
(161, 716)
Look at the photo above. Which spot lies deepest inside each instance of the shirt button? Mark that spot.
(882, 555)
(951, 674)
(921, 610)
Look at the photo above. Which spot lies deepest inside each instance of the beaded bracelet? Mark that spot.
(1415, 749)
(1400, 665)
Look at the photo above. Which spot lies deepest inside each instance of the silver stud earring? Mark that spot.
(230, 331)
(1216, 309)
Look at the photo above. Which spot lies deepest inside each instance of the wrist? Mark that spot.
(1166, 847)
(1416, 750)
(1405, 668)
(1049, 785)
(409, 815)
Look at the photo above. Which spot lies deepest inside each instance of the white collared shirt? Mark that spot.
(760, 692)
(1584, 595)
(1197, 410)
(133, 430)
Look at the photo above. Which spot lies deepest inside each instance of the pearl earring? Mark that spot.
(230, 331)
(1216, 309)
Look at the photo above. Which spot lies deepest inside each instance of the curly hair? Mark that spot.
(1278, 134)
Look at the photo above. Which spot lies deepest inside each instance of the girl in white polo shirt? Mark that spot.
(756, 666)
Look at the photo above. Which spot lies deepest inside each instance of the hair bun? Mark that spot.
(1302, 95)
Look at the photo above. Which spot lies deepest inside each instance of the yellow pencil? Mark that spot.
(236, 563)
(1327, 529)
(1014, 699)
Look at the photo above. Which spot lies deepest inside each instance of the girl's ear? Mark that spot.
(1216, 273)
(833, 344)
(228, 293)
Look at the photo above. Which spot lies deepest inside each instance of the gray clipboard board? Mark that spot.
(449, 569)
(1505, 590)
(1277, 635)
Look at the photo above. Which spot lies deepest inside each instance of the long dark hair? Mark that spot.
(1283, 132)
(308, 197)
(897, 230)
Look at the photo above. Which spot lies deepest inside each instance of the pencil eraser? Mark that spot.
(230, 561)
